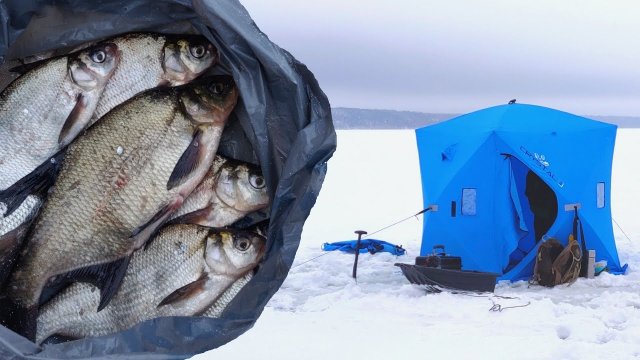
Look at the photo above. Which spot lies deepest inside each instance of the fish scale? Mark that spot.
(86, 221)
(25, 211)
(218, 307)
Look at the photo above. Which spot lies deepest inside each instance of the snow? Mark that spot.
(373, 180)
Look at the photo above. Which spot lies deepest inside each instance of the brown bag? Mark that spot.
(566, 267)
(548, 252)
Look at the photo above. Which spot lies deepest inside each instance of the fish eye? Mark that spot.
(242, 244)
(198, 51)
(217, 88)
(98, 56)
(257, 181)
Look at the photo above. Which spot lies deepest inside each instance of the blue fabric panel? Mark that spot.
(371, 246)
(526, 240)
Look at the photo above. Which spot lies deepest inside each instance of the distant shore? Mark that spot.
(353, 118)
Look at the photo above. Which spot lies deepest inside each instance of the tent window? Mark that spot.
(600, 195)
(469, 202)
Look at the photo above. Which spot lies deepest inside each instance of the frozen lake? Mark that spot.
(373, 180)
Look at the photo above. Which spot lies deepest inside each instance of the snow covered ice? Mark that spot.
(373, 180)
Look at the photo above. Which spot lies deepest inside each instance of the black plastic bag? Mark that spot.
(283, 123)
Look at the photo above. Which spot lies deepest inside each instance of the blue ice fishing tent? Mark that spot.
(479, 176)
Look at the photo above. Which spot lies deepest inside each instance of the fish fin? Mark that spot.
(10, 246)
(58, 339)
(54, 285)
(260, 217)
(198, 217)
(186, 291)
(28, 327)
(37, 182)
(152, 236)
(144, 233)
(19, 319)
(189, 161)
(110, 287)
(69, 129)
(106, 276)
(26, 67)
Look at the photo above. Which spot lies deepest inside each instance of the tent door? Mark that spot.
(538, 208)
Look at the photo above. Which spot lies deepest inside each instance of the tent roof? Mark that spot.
(516, 118)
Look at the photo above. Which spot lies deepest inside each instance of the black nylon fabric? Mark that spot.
(282, 121)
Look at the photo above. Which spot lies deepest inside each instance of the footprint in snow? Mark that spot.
(563, 332)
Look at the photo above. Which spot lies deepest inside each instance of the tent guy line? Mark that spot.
(400, 221)
(619, 227)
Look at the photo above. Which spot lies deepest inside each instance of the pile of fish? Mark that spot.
(115, 207)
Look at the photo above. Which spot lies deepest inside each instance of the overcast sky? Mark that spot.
(457, 56)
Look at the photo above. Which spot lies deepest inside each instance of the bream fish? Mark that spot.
(118, 184)
(40, 113)
(151, 60)
(231, 190)
(44, 109)
(182, 273)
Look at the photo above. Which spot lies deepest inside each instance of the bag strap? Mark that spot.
(577, 226)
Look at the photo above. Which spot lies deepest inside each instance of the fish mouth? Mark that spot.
(89, 77)
(227, 177)
(172, 63)
(176, 72)
(83, 75)
(215, 257)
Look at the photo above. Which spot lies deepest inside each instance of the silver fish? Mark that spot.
(184, 272)
(40, 113)
(119, 183)
(45, 109)
(150, 60)
(230, 191)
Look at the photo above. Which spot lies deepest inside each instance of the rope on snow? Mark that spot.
(499, 308)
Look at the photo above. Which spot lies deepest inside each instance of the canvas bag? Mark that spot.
(566, 267)
(548, 252)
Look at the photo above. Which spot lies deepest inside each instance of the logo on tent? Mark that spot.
(542, 163)
(541, 159)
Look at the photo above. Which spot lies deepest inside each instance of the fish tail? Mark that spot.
(11, 244)
(57, 339)
(37, 183)
(106, 276)
(19, 319)
(111, 284)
